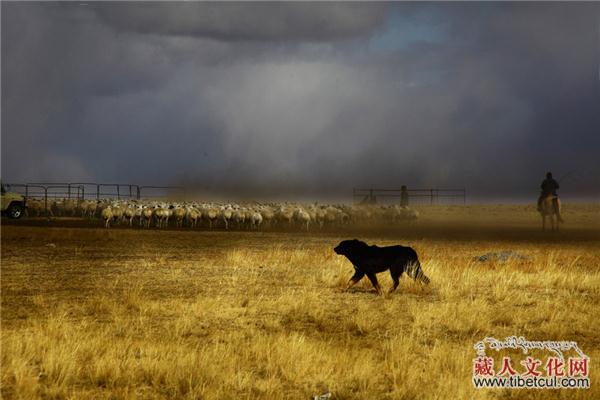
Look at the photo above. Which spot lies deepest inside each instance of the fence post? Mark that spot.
(69, 191)
(139, 194)
(431, 196)
(118, 193)
(46, 200)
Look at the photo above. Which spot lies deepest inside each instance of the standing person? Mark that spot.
(403, 196)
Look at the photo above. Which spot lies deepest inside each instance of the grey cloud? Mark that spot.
(241, 21)
(507, 92)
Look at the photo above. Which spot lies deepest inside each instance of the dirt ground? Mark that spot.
(89, 312)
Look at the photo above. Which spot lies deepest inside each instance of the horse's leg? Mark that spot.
(557, 207)
(543, 222)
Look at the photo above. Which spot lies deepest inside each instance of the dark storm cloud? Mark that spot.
(303, 98)
(246, 21)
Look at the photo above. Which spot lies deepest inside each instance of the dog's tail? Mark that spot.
(417, 274)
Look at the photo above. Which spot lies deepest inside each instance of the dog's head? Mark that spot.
(347, 247)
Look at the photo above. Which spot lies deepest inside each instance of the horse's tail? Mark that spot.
(416, 273)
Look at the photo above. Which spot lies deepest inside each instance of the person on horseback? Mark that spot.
(549, 187)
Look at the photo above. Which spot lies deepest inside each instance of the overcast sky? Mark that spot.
(304, 98)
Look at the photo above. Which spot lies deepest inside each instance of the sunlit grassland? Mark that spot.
(88, 313)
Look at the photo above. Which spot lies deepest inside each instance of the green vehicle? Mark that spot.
(12, 204)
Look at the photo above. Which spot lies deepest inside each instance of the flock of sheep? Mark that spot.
(160, 214)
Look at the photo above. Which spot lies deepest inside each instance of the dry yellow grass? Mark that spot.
(89, 313)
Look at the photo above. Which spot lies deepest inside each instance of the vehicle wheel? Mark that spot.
(15, 211)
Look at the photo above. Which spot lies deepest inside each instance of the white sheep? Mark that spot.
(129, 214)
(285, 215)
(147, 213)
(107, 216)
(137, 212)
(117, 212)
(90, 208)
(321, 215)
(268, 215)
(162, 217)
(302, 217)
(179, 214)
(69, 207)
(238, 217)
(192, 216)
(256, 220)
(211, 214)
(226, 214)
(35, 207)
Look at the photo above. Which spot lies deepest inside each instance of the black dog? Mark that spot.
(369, 260)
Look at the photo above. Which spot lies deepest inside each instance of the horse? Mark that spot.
(550, 207)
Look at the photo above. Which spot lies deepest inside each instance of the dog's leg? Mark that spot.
(354, 280)
(396, 273)
(373, 278)
(396, 280)
(396, 283)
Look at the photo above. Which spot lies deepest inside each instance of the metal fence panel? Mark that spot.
(420, 196)
(79, 191)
